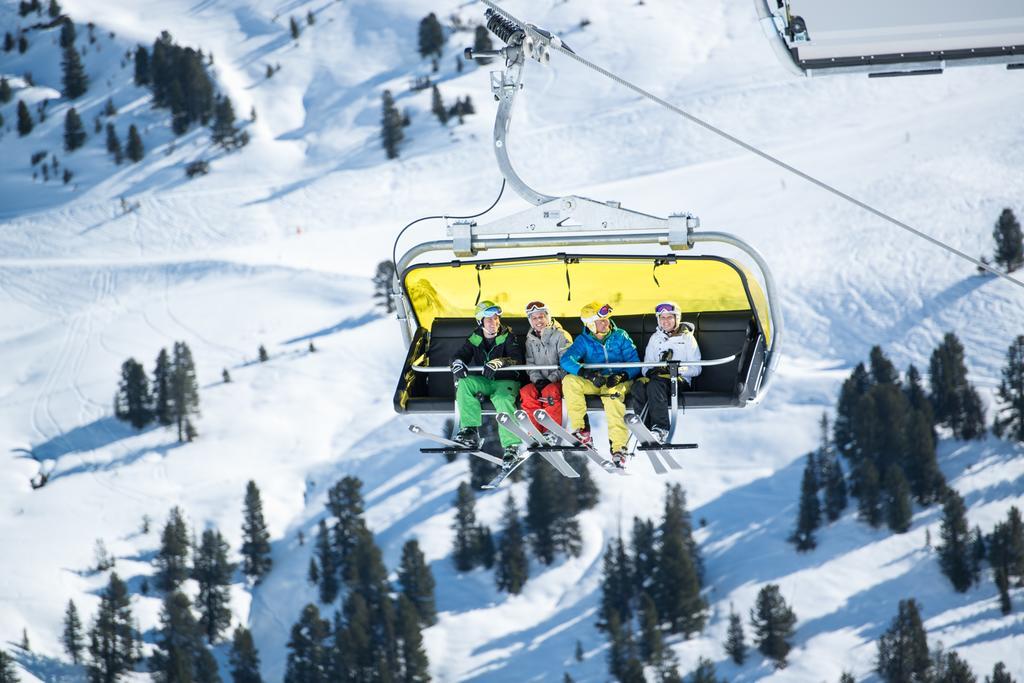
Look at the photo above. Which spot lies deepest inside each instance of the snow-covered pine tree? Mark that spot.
(382, 280)
(133, 398)
(808, 517)
(735, 644)
(179, 654)
(1009, 420)
(256, 559)
(464, 552)
(512, 566)
(903, 649)
(213, 572)
(244, 658)
(72, 636)
(431, 36)
(417, 582)
(184, 394)
(1009, 242)
(325, 556)
(135, 149)
(391, 125)
(172, 558)
(309, 649)
(414, 667)
(896, 499)
(74, 78)
(113, 638)
(954, 549)
(773, 623)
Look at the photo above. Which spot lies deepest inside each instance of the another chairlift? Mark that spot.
(575, 255)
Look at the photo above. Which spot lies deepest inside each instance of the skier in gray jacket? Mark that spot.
(545, 343)
(673, 340)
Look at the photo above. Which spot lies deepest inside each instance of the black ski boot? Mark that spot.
(510, 457)
(468, 437)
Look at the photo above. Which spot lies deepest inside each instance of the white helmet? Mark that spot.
(669, 308)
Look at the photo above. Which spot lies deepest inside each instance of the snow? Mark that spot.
(276, 247)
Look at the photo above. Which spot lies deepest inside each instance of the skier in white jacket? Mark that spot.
(673, 340)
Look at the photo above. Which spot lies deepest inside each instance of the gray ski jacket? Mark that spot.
(547, 349)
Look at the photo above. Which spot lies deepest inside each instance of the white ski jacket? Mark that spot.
(547, 349)
(683, 346)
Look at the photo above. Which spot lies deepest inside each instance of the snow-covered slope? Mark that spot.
(276, 247)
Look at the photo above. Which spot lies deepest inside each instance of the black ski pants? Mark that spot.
(656, 394)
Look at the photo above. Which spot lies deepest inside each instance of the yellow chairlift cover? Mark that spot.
(631, 284)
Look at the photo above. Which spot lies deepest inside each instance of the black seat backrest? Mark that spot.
(720, 334)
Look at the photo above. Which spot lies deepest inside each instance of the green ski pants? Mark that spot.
(502, 392)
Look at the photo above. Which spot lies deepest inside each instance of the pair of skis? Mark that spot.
(657, 452)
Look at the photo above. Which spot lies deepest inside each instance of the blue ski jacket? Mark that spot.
(616, 347)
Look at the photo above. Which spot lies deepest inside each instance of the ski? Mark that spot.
(564, 434)
(521, 426)
(648, 443)
(505, 473)
(450, 446)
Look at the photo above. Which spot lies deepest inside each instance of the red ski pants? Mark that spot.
(550, 399)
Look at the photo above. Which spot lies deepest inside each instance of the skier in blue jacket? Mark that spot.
(601, 342)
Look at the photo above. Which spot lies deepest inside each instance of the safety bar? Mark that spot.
(596, 366)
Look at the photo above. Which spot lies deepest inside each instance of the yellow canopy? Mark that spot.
(631, 284)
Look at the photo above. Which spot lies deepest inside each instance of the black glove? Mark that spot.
(491, 366)
(594, 376)
(540, 384)
(665, 355)
(617, 379)
(459, 369)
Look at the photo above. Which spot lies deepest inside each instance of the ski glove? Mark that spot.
(540, 384)
(594, 376)
(459, 369)
(617, 379)
(665, 355)
(492, 366)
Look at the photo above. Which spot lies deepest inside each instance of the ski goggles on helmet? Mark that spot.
(488, 311)
(602, 312)
(536, 307)
(667, 308)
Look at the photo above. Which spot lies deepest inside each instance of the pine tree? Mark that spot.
(72, 636)
(133, 398)
(74, 79)
(135, 150)
(345, 503)
(652, 645)
(293, 28)
(113, 639)
(644, 561)
(437, 105)
(412, 657)
(391, 125)
(835, 490)
(485, 546)
(1009, 421)
(513, 567)
(1003, 585)
(8, 672)
(256, 559)
(1009, 242)
(882, 369)
(954, 400)
(212, 572)
(431, 36)
(142, 74)
(309, 655)
(464, 552)
(808, 517)
(162, 389)
(22, 43)
(68, 34)
(977, 546)
(172, 558)
(8, 42)
(621, 650)
(114, 144)
(896, 497)
(180, 654)
(773, 623)
(542, 512)
(677, 579)
(953, 669)
(25, 123)
(224, 132)
(367, 579)
(482, 43)
(926, 479)
(954, 551)
(705, 672)
(1000, 675)
(382, 286)
(870, 501)
(903, 649)
(226, 376)
(54, 9)
(184, 389)
(329, 586)
(417, 582)
(244, 658)
(5, 90)
(617, 588)
(849, 396)
(735, 646)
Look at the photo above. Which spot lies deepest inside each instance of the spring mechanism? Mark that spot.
(508, 31)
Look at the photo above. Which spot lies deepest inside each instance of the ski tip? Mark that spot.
(415, 429)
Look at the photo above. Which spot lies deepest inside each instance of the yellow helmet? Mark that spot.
(593, 312)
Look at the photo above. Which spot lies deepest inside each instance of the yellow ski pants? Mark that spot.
(575, 390)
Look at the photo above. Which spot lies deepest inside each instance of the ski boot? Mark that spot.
(619, 458)
(584, 437)
(468, 437)
(510, 457)
(552, 439)
(660, 433)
